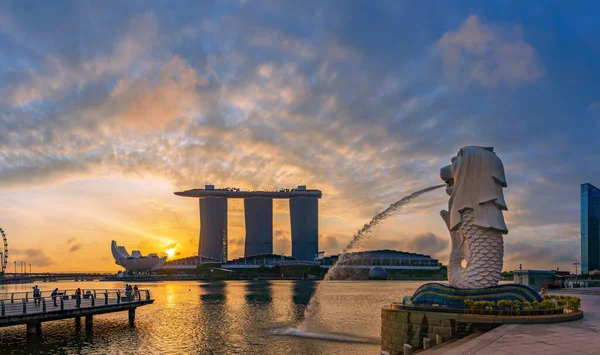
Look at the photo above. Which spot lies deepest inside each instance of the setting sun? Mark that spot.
(170, 252)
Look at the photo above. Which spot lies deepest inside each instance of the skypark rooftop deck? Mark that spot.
(210, 191)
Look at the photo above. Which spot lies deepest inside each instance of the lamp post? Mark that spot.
(15, 273)
(30, 268)
(576, 263)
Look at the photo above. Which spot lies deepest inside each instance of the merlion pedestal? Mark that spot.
(476, 224)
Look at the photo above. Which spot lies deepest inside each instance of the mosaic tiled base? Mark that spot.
(449, 296)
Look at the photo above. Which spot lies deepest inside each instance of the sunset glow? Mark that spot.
(104, 116)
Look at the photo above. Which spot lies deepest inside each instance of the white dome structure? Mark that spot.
(136, 261)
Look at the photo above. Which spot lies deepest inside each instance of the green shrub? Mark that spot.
(573, 303)
(504, 303)
(548, 305)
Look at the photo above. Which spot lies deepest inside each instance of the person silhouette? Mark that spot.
(54, 294)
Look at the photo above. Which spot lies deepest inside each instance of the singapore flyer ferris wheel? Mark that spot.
(4, 253)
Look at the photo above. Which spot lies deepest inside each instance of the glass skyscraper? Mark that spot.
(590, 228)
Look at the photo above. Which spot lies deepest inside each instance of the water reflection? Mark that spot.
(258, 293)
(231, 317)
(211, 321)
(302, 293)
(213, 292)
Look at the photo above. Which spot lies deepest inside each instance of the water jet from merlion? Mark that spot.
(356, 243)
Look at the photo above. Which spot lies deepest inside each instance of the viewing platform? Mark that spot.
(18, 308)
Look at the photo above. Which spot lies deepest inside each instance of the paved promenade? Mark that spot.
(577, 337)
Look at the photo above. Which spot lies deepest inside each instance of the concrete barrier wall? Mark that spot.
(401, 326)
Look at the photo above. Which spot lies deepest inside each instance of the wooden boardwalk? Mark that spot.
(16, 310)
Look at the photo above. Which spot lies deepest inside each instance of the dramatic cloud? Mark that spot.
(5, 22)
(488, 54)
(532, 256)
(75, 247)
(348, 98)
(35, 257)
(282, 242)
(425, 243)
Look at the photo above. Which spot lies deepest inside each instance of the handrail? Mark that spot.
(69, 292)
(30, 305)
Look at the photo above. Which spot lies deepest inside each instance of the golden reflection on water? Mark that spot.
(232, 317)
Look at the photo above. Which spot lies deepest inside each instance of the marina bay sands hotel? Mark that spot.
(258, 210)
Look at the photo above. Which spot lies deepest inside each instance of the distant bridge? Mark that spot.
(12, 278)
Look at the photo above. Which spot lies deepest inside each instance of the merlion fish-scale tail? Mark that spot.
(457, 275)
(486, 249)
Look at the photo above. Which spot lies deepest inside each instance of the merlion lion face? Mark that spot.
(475, 181)
(447, 175)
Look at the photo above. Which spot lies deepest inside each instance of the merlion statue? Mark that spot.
(474, 217)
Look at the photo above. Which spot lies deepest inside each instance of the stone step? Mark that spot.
(449, 345)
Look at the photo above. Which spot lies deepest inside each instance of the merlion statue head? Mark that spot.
(475, 180)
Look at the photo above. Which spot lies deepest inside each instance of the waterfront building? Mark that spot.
(536, 279)
(213, 228)
(390, 260)
(136, 261)
(304, 217)
(590, 228)
(190, 263)
(258, 209)
(258, 214)
(250, 262)
(386, 258)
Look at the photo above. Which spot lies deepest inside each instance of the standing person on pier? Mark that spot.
(128, 290)
(36, 296)
(53, 295)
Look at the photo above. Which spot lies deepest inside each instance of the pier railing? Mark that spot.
(21, 303)
(8, 296)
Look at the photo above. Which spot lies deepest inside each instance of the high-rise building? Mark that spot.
(304, 218)
(213, 228)
(258, 206)
(258, 212)
(590, 228)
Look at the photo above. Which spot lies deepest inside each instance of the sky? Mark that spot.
(108, 107)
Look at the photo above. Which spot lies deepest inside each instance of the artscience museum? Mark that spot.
(136, 261)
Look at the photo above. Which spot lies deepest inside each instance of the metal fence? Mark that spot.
(20, 303)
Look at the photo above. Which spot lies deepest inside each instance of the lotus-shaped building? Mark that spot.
(136, 261)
